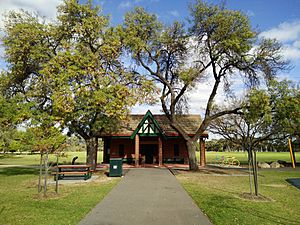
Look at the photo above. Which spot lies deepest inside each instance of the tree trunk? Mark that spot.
(91, 150)
(40, 174)
(46, 173)
(252, 158)
(191, 147)
(255, 173)
(56, 176)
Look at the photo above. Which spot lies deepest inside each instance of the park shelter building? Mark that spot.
(149, 139)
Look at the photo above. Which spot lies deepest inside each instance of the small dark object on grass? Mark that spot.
(74, 159)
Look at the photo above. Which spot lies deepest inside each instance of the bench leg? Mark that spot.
(87, 176)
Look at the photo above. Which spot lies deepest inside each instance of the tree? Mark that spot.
(287, 96)
(71, 70)
(220, 45)
(11, 114)
(265, 117)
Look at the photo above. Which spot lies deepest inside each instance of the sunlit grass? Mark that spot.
(21, 204)
(13, 159)
(220, 197)
(243, 156)
(34, 159)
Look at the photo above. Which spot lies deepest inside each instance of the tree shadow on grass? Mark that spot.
(267, 216)
(226, 202)
(13, 171)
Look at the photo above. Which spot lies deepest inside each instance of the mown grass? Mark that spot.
(21, 204)
(34, 159)
(243, 157)
(220, 197)
(13, 159)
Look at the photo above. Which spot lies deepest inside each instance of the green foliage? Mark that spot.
(226, 30)
(268, 114)
(12, 113)
(70, 70)
(287, 100)
(258, 107)
(46, 139)
(220, 145)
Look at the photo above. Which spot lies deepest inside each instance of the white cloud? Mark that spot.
(174, 13)
(288, 33)
(284, 32)
(125, 4)
(291, 52)
(42, 7)
(142, 109)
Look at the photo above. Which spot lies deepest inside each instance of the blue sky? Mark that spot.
(272, 18)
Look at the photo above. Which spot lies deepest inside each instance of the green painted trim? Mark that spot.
(147, 115)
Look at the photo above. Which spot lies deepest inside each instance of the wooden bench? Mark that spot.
(62, 171)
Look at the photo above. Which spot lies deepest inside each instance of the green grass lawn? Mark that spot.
(20, 203)
(14, 159)
(220, 197)
(242, 156)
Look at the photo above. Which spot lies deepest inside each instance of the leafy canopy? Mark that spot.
(71, 69)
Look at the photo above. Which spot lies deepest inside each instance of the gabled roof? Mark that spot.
(134, 122)
(148, 126)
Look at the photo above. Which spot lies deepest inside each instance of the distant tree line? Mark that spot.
(223, 145)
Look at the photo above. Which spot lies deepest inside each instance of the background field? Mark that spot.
(13, 159)
(242, 156)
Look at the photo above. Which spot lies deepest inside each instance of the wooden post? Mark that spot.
(137, 149)
(291, 153)
(202, 152)
(160, 155)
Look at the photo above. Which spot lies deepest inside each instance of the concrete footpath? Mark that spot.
(146, 196)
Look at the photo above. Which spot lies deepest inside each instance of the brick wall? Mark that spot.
(128, 147)
(168, 148)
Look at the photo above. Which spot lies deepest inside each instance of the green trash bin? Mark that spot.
(115, 167)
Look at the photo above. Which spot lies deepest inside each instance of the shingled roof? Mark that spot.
(189, 123)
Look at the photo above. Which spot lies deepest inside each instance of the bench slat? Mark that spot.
(71, 172)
